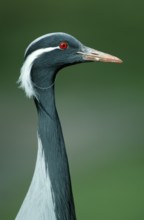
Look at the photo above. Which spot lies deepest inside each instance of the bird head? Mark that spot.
(46, 55)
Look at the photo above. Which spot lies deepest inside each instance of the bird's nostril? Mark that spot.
(93, 53)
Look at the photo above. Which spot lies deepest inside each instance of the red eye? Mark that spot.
(63, 45)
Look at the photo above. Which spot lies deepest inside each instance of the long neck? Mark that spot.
(55, 157)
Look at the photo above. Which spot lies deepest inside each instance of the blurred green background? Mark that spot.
(100, 106)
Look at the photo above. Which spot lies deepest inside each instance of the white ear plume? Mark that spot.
(25, 76)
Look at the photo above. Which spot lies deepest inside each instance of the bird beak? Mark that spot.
(89, 54)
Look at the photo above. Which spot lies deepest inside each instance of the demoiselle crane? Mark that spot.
(50, 194)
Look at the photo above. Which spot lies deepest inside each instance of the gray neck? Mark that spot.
(56, 162)
(50, 194)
